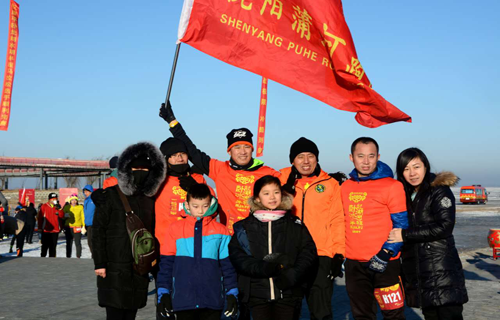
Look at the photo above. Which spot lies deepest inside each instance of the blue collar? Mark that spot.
(382, 171)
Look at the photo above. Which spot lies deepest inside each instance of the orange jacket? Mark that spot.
(109, 182)
(168, 206)
(318, 204)
(234, 187)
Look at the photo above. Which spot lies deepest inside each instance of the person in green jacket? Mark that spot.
(75, 220)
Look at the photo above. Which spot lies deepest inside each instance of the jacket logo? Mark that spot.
(357, 196)
(243, 179)
(239, 134)
(445, 203)
(320, 188)
(178, 191)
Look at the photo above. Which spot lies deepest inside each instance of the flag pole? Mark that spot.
(171, 81)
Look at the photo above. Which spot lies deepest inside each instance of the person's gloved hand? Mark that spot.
(164, 307)
(232, 306)
(166, 112)
(57, 206)
(84, 230)
(280, 258)
(289, 186)
(272, 269)
(186, 182)
(286, 279)
(378, 262)
(339, 176)
(336, 267)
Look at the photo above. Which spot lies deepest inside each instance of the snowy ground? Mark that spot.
(34, 250)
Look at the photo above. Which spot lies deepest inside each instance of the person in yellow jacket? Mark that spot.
(318, 203)
(74, 222)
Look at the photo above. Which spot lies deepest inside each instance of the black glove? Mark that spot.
(339, 176)
(57, 206)
(280, 258)
(186, 182)
(286, 279)
(164, 307)
(272, 269)
(378, 262)
(336, 266)
(166, 112)
(289, 186)
(232, 306)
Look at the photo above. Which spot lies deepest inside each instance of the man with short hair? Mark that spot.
(88, 213)
(234, 179)
(112, 179)
(374, 204)
(48, 224)
(317, 202)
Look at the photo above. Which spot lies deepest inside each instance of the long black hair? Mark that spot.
(403, 159)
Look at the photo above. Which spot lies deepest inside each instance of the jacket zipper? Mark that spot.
(270, 249)
(304, 196)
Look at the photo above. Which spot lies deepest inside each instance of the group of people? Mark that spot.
(271, 238)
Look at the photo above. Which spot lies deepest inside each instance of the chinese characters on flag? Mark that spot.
(303, 44)
(10, 66)
(262, 119)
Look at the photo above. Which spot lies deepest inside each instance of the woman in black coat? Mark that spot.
(432, 272)
(141, 171)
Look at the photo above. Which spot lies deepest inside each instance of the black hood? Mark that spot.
(156, 174)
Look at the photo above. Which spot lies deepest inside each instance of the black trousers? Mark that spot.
(361, 283)
(275, 310)
(20, 242)
(199, 314)
(69, 241)
(320, 290)
(71, 237)
(443, 313)
(49, 243)
(120, 314)
(29, 232)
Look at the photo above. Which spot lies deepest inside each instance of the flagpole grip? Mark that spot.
(171, 81)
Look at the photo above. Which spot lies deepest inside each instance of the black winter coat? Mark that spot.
(122, 287)
(256, 281)
(432, 271)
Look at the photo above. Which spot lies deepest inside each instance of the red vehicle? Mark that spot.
(473, 194)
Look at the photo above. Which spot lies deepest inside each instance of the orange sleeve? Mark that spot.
(214, 168)
(336, 222)
(397, 198)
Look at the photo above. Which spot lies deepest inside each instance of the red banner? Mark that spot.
(303, 44)
(262, 119)
(26, 194)
(10, 66)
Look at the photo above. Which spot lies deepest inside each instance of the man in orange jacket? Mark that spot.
(234, 179)
(317, 202)
(172, 194)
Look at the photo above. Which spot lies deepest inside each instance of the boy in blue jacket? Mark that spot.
(196, 276)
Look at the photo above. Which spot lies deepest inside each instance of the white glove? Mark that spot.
(84, 231)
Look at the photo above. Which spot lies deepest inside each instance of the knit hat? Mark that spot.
(113, 162)
(239, 136)
(172, 146)
(303, 145)
(52, 195)
(74, 196)
(142, 161)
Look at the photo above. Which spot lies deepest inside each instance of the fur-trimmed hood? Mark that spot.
(445, 178)
(156, 174)
(286, 203)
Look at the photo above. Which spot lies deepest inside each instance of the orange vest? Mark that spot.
(234, 187)
(318, 204)
(169, 206)
(368, 206)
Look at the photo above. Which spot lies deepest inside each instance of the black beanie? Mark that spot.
(172, 146)
(303, 145)
(237, 136)
(113, 162)
(143, 161)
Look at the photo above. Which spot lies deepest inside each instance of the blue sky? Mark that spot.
(91, 75)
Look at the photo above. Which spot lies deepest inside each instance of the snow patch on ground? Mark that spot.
(34, 250)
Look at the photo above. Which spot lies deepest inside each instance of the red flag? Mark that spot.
(305, 45)
(261, 133)
(10, 66)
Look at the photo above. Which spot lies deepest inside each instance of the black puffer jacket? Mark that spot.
(432, 271)
(250, 244)
(123, 288)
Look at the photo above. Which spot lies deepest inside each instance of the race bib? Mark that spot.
(390, 298)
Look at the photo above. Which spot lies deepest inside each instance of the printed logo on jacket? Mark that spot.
(356, 211)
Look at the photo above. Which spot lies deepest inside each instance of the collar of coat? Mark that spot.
(286, 203)
(156, 173)
(445, 179)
